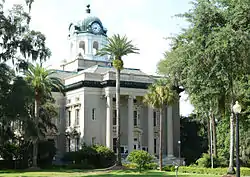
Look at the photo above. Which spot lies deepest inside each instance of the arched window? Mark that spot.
(82, 47)
(95, 47)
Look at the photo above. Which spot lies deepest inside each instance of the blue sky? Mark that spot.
(146, 22)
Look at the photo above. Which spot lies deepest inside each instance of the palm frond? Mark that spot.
(160, 94)
(118, 46)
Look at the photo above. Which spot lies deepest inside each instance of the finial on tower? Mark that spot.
(88, 9)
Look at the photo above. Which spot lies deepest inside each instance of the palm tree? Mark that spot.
(117, 47)
(43, 83)
(159, 95)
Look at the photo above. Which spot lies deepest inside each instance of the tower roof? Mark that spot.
(84, 25)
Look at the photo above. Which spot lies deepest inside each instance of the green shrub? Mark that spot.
(169, 168)
(46, 152)
(151, 166)
(141, 158)
(205, 161)
(212, 171)
(130, 165)
(97, 156)
(106, 157)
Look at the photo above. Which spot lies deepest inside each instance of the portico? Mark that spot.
(137, 112)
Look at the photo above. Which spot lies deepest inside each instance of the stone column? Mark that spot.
(109, 123)
(150, 131)
(130, 124)
(170, 131)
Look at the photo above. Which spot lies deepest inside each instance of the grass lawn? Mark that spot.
(77, 173)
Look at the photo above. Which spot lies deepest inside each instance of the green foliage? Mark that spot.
(169, 168)
(46, 153)
(205, 161)
(118, 64)
(193, 140)
(214, 171)
(160, 94)
(18, 155)
(141, 159)
(18, 38)
(97, 156)
(118, 47)
(148, 166)
(105, 155)
(210, 60)
(43, 81)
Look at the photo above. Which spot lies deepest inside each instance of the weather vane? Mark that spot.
(88, 8)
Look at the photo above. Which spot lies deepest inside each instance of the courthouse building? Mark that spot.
(87, 112)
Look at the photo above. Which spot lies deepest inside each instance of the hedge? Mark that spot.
(89, 157)
(150, 166)
(215, 171)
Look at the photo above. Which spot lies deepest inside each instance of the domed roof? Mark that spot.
(84, 25)
(87, 22)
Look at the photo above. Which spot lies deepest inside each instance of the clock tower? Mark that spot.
(85, 38)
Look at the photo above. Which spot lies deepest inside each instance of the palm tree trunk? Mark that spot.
(119, 161)
(35, 143)
(231, 158)
(214, 136)
(161, 139)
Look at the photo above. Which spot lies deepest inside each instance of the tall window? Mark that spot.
(93, 114)
(135, 118)
(77, 144)
(82, 47)
(93, 140)
(114, 144)
(155, 145)
(155, 118)
(114, 117)
(95, 47)
(69, 118)
(77, 116)
(69, 145)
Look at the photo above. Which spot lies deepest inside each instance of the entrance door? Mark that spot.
(136, 147)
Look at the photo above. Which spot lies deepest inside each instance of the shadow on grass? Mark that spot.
(48, 170)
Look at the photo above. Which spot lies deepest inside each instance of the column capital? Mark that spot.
(109, 95)
(130, 96)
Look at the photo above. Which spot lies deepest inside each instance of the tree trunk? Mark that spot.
(119, 161)
(35, 143)
(231, 158)
(208, 135)
(214, 135)
(211, 144)
(161, 138)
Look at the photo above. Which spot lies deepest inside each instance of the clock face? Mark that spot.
(96, 28)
